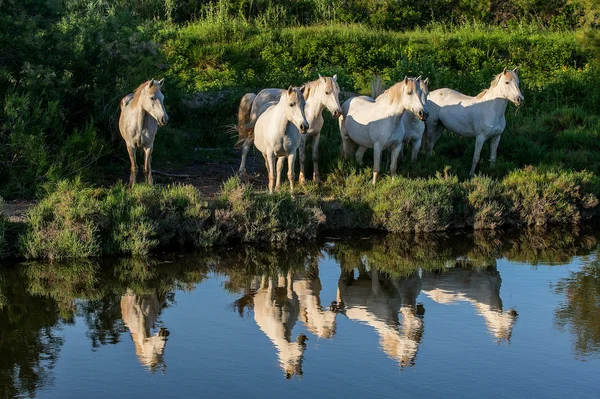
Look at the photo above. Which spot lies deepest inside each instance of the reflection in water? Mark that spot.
(377, 300)
(380, 281)
(30, 339)
(318, 321)
(481, 287)
(140, 312)
(276, 310)
(580, 311)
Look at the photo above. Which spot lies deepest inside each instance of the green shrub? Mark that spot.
(250, 216)
(75, 220)
(550, 196)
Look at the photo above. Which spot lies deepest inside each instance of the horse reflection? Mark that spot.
(308, 290)
(139, 313)
(276, 311)
(377, 301)
(481, 287)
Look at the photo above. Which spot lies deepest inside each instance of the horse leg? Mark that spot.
(359, 154)
(280, 161)
(148, 165)
(266, 163)
(347, 143)
(271, 168)
(416, 146)
(376, 161)
(291, 177)
(315, 156)
(132, 159)
(396, 151)
(302, 179)
(245, 150)
(494, 149)
(434, 131)
(478, 146)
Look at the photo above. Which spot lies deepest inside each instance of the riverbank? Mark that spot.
(76, 220)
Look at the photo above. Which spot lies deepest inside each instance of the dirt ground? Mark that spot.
(209, 176)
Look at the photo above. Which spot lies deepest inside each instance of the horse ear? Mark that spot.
(504, 70)
(302, 89)
(426, 81)
(406, 80)
(419, 78)
(151, 82)
(335, 77)
(290, 90)
(161, 82)
(322, 78)
(516, 70)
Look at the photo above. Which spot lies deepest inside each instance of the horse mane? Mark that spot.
(311, 86)
(138, 92)
(394, 93)
(495, 81)
(482, 93)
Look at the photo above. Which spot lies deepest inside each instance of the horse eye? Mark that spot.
(507, 82)
(327, 92)
(409, 93)
(292, 104)
(152, 98)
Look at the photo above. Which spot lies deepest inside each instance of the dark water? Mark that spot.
(500, 316)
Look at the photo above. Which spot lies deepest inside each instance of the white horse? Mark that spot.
(375, 123)
(481, 117)
(277, 134)
(319, 94)
(142, 112)
(412, 125)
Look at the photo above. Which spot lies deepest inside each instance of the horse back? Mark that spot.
(447, 96)
(264, 97)
(126, 100)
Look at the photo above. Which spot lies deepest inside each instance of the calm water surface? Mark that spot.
(500, 316)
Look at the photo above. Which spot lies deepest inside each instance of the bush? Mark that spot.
(248, 216)
(550, 197)
(76, 220)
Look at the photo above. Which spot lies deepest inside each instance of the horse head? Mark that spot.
(330, 94)
(294, 98)
(152, 101)
(413, 98)
(507, 84)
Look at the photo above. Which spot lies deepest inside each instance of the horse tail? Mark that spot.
(244, 127)
(376, 87)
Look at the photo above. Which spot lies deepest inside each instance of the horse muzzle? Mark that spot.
(304, 128)
(519, 101)
(423, 115)
(337, 114)
(163, 120)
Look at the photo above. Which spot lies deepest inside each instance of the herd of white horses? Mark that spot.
(385, 304)
(279, 121)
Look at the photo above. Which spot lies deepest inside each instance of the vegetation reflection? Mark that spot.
(379, 285)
